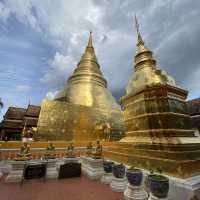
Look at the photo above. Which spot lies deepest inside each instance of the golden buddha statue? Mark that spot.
(50, 151)
(97, 151)
(24, 153)
(89, 149)
(70, 151)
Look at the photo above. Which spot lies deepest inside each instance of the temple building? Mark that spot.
(18, 119)
(194, 110)
(157, 121)
(85, 109)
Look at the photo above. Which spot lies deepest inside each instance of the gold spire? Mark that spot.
(143, 55)
(139, 37)
(90, 41)
(145, 68)
(89, 51)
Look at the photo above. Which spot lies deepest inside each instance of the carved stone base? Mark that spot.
(118, 184)
(107, 178)
(135, 193)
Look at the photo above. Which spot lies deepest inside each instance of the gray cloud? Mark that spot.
(170, 29)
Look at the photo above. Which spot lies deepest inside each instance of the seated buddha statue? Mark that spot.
(70, 151)
(89, 149)
(24, 153)
(50, 151)
(97, 153)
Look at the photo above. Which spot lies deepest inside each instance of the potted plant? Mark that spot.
(158, 184)
(134, 176)
(107, 165)
(118, 170)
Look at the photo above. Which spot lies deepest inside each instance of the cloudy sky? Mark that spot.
(41, 42)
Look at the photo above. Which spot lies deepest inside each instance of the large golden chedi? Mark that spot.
(158, 129)
(85, 109)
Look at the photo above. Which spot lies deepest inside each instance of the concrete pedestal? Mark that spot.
(5, 167)
(16, 172)
(71, 160)
(84, 164)
(135, 193)
(52, 172)
(118, 184)
(93, 168)
(107, 178)
(151, 197)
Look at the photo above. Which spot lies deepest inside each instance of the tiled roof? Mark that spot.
(194, 106)
(33, 111)
(15, 113)
(12, 124)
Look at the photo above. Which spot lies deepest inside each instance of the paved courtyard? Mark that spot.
(64, 189)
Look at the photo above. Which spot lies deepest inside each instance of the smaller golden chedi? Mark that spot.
(24, 153)
(97, 153)
(89, 149)
(70, 153)
(50, 151)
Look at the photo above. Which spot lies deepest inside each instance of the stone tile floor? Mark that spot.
(64, 189)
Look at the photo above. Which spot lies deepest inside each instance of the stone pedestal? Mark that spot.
(5, 167)
(93, 168)
(16, 172)
(52, 172)
(118, 184)
(151, 197)
(84, 164)
(135, 193)
(106, 178)
(70, 160)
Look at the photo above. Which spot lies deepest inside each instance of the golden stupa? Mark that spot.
(158, 130)
(85, 109)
